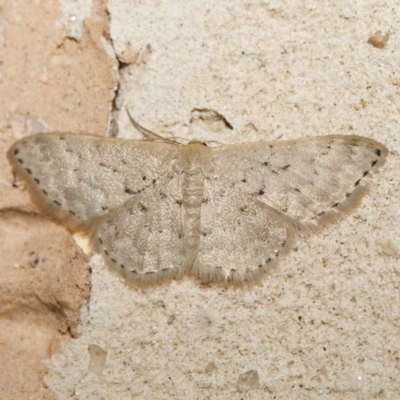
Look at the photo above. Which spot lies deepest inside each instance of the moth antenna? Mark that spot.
(147, 133)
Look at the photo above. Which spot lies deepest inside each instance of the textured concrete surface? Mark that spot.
(325, 325)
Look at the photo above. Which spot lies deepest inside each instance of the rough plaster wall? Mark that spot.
(326, 324)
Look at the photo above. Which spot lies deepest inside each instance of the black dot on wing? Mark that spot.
(100, 241)
(29, 171)
(261, 192)
(142, 207)
(16, 151)
(144, 178)
(37, 181)
(106, 252)
(71, 212)
(335, 205)
(268, 260)
(113, 260)
(373, 163)
(44, 192)
(56, 202)
(378, 152)
(365, 173)
(20, 160)
(357, 182)
(348, 195)
(321, 213)
(179, 202)
(133, 271)
(122, 266)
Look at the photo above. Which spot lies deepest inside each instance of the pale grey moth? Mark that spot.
(155, 209)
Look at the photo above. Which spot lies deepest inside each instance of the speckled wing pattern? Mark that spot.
(117, 191)
(272, 192)
(156, 210)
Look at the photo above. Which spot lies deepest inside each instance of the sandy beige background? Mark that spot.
(325, 325)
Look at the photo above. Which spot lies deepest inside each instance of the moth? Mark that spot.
(155, 209)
